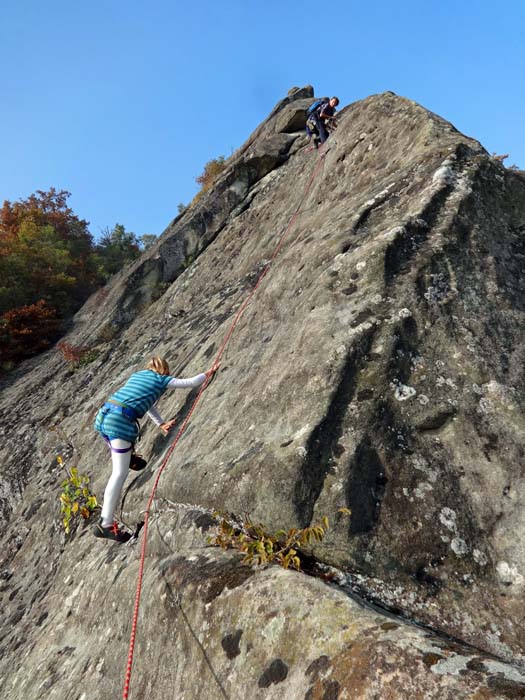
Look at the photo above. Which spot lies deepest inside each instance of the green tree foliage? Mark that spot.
(147, 240)
(116, 249)
(49, 265)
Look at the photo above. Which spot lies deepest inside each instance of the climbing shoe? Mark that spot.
(137, 463)
(112, 532)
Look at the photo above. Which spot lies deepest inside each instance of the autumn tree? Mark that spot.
(212, 169)
(46, 253)
(26, 331)
(49, 265)
(47, 270)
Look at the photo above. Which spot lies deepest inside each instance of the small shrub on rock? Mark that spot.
(77, 355)
(77, 503)
(261, 547)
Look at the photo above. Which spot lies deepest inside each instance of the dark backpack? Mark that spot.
(315, 106)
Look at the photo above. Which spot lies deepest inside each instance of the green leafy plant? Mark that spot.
(76, 500)
(284, 547)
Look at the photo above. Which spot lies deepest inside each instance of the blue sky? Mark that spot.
(122, 103)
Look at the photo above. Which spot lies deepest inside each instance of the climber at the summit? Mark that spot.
(321, 119)
(116, 421)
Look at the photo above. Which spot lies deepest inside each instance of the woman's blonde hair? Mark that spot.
(159, 365)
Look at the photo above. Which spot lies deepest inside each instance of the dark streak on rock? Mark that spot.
(41, 619)
(365, 488)
(406, 244)
(204, 521)
(405, 346)
(319, 458)
(432, 659)
(207, 577)
(230, 644)
(275, 673)
(331, 690)
(388, 626)
(437, 420)
(476, 665)
(510, 689)
(365, 394)
(350, 289)
(318, 666)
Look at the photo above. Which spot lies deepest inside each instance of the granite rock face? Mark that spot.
(378, 367)
(213, 628)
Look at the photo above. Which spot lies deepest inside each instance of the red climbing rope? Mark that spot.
(222, 348)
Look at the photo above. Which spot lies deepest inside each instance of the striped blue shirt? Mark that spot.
(140, 392)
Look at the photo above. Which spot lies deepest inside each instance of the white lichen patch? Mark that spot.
(451, 666)
(420, 463)
(422, 489)
(445, 382)
(509, 574)
(404, 313)
(444, 174)
(448, 518)
(274, 628)
(485, 406)
(338, 262)
(479, 557)
(500, 392)
(459, 546)
(511, 673)
(402, 392)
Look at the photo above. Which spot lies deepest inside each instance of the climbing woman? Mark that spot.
(116, 421)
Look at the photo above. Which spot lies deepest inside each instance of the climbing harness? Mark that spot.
(114, 406)
(233, 325)
(119, 450)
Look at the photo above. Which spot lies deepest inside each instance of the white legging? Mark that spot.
(120, 461)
